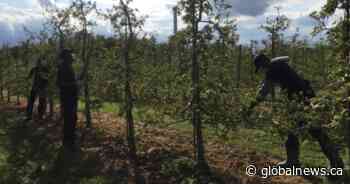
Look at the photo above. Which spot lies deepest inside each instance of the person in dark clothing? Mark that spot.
(68, 87)
(39, 88)
(280, 73)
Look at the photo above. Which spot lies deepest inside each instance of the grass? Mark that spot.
(267, 143)
(262, 141)
(105, 107)
(140, 112)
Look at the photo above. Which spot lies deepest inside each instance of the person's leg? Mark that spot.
(30, 105)
(66, 121)
(293, 151)
(51, 106)
(42, 104)
(328, 148)
(70, 118)
(74, 118)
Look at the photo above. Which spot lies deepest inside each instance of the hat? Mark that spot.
(65, 52)
(260, 61)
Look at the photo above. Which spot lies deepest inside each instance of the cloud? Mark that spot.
(305, 21)
(6, 31)
(249, 7)
(14, 14)
(45, 3)
(13, 17)
(249, 27)
(297, 10)
(22, 4)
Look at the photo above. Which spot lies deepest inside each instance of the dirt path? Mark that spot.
(105, 142)
(228, 161)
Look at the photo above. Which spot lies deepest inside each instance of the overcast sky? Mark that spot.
(250, 14)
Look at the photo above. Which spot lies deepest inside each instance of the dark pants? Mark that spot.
(69, 105)
(42, 103)
(328, 148)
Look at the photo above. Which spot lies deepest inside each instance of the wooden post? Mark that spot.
(8, 74)
(324, 64)
(238, 68)
(85, 74)
(85, 77)
(175, 19)
(273, 44)
(251, 61)
(2, 96)
(17, 82)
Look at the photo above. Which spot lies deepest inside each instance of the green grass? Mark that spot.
(139, 112)
(105, 107)
(264, 142)
(261, 141)
(110, 107)
(258, 140)
(95, 180)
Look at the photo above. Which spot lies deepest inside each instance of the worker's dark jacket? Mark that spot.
(41, 75)
(66, 79)
(280, 73)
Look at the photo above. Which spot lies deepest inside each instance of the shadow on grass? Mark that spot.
(33, 154)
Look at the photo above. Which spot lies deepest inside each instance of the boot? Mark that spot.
(292, 148)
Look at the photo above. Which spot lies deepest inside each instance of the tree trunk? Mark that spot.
(347, 32)
(26, 68)
(85, 75)
(8, 84)
(273, 45)
(294, 59)
(8, 96)
(238, 68)
(17, 81)
(129, 117)
(196, 115)
(2, 96)
(51, 107)
(324, 64)
(129, 99)
(86, 88)
(251, 63)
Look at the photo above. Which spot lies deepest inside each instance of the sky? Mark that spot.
(249, 14)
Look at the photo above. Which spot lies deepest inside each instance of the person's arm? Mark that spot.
(59, 76)
(31, 73)
(45, 73)
(265, 88)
